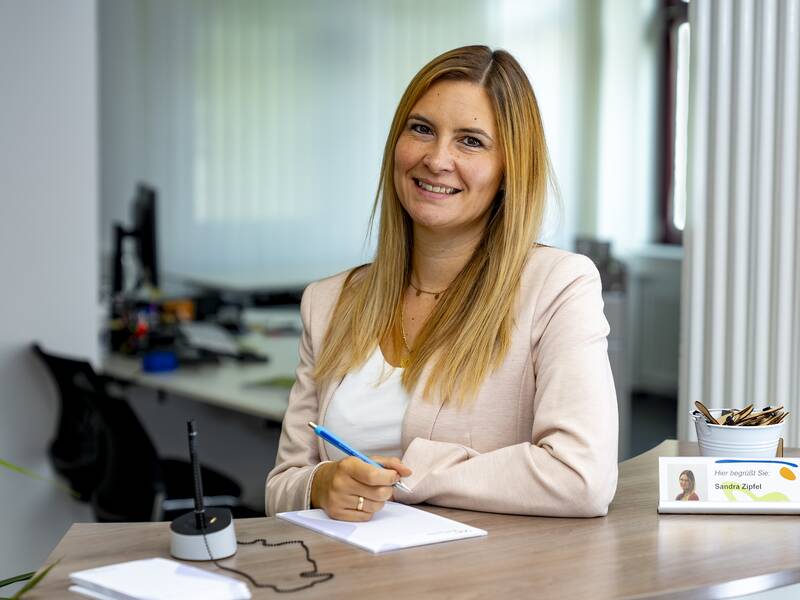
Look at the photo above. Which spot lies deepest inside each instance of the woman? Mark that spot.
(686, 481)
(476, 356)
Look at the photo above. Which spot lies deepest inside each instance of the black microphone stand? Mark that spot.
(205, 534)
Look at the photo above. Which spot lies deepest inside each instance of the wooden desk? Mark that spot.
(632, 553)
(230, 384)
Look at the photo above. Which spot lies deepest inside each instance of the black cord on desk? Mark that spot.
(314, 573)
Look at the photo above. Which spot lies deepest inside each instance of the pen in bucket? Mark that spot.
(336, 442)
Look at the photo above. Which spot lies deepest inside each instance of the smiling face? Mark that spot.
(685, 483)
(448, 165)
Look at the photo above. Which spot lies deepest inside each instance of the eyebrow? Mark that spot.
(476, 130)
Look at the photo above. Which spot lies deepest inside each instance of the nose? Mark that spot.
(438, 158)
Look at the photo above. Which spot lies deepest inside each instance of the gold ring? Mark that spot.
(360, 503)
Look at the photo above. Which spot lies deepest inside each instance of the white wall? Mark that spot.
(48, 250)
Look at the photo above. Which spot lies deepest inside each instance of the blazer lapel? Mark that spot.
(421, 414)
(326, 394)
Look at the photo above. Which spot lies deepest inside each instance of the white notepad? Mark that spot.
(156, 579)
(396, 526)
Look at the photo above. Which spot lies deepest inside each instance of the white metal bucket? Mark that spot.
(758, 441)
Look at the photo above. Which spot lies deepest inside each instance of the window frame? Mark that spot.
(672, 14)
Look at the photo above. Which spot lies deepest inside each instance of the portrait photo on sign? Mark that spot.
(688, 482)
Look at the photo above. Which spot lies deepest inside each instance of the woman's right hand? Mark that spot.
(338, 486)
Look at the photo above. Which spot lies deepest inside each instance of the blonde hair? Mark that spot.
(468, 333)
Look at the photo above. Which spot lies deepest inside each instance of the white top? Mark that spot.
(367, 409)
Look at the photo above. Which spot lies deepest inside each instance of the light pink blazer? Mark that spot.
(540, 438)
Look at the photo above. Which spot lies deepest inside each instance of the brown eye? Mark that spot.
(472, 142)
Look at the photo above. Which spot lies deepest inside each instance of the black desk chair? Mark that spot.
(128, 481)
(74, 452)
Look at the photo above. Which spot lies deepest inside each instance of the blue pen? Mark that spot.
(334, 441)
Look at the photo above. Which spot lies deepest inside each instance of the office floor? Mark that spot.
(653, 420)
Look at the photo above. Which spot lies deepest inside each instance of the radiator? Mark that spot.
(740, 304)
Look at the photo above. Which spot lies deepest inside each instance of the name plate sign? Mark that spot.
(708, 484)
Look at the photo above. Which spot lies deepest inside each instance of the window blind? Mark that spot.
(262, 122)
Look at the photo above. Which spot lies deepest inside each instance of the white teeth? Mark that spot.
(434, 188)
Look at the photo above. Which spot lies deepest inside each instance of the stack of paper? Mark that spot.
(396, 526)
(156, 579)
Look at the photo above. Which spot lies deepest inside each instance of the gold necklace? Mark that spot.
(405, 361)
(420, 291)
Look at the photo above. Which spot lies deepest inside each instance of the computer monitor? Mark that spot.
(144, 219)
(143, 231)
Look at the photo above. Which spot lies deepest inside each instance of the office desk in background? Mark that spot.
(231, 384)
(632, 553)
(276, 279)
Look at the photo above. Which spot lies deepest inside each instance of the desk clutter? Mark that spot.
(171, 333)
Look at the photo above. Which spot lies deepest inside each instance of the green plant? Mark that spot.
(31, 577)
(27, 472)
(16, 579)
